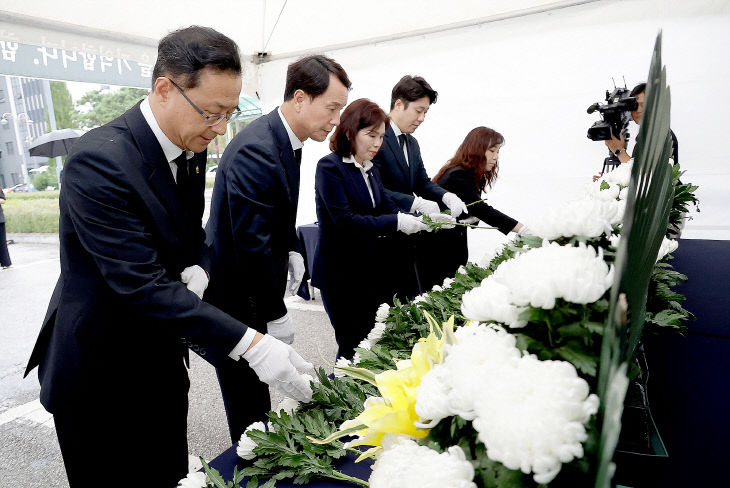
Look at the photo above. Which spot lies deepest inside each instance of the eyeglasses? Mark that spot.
(210, 119)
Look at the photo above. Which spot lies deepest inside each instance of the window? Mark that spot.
(9, 147)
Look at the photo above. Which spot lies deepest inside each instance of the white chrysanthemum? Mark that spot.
(246, 445)
(420, 298)
(408, 465)
(437, 288)
(448, 389)
(382, 314)
(491, 301)
(624, 193)
(447, 283)
(614, 240)
(289, 405)
(619, 176)
(365, 344)
(341, 361)
(193, 480)
(541, 275)
(376, 333)
(668, 246)
(530, 414)
(461, 270)
(593, 191)
(356, 359)
(589, 218)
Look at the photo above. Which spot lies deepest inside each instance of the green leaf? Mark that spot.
(338, 435)
(605, 186)
(586, 363)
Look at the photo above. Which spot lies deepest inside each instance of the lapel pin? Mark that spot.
(197, 170)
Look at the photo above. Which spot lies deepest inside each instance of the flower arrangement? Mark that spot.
(509, 374)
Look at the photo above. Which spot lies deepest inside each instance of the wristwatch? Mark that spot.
(618, 151)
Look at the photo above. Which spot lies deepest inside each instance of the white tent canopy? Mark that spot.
(527, 68)
(279, 27)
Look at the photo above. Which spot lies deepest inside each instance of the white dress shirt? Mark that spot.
(168, 147)
(171, 152)
(364, 168)
(293, 139)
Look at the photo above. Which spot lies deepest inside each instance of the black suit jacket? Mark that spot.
(402, 179)
(461, 182)
(354, 236)
(119, 320)
(252, 224)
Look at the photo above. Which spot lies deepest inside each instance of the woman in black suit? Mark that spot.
(467, 174)
(359, 261)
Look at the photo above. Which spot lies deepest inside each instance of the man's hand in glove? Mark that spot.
(296, 271)
(196, 278)
(455, 204)
(424, 206)
(410, 224)
(282, 328)
(276, 364)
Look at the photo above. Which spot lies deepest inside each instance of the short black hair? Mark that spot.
(311, 74)
(182, 54)
(638, 89)
(412, 88)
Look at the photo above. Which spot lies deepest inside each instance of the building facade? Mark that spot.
(23, 117)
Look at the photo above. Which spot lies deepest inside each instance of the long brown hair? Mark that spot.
(471, 156)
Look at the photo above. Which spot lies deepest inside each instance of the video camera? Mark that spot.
(615, 120)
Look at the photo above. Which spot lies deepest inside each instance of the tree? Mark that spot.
(106, 107)
(63, 106)
(41, 181)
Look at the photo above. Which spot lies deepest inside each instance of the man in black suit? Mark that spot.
(251, 230)
(401, 167)
(4, 256)
(399, 160)
(113, 347)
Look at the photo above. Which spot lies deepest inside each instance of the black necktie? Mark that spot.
(403, 145)
(298, 155)
(182, 171)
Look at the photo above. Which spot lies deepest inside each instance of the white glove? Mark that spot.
(455, 204)
(470, 220)
(524, 231)
(440, 217)
(276, 364)
(282, 328)
(196, 278)
(296, 271)
(424, 206)
(410, 224)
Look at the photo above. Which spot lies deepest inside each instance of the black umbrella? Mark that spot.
(54, 143)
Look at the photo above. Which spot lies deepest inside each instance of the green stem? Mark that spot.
(343, 477)
(550, 335)
(473, 203)
(353, 451)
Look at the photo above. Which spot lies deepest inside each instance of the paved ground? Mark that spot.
(29, 453)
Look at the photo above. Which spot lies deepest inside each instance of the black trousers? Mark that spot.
(245, 397)
(143, 439)
(4, 255)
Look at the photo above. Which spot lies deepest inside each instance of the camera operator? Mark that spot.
(619, 147)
